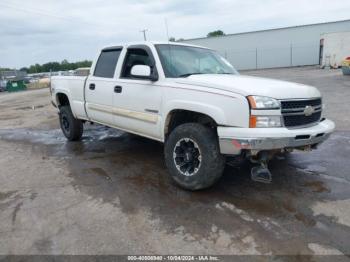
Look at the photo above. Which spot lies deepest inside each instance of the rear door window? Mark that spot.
(106, 63)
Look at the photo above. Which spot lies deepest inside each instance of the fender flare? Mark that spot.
(61, 91)
(216, 113)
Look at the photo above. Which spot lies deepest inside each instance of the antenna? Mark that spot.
(167, 28)
(144, 34)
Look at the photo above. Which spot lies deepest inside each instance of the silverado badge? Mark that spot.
(309, 110)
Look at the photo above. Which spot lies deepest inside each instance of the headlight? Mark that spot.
(263, 102)
(265, 121)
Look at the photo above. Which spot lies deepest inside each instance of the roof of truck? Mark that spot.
(151, 43)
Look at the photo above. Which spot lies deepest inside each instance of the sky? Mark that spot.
(35, 31)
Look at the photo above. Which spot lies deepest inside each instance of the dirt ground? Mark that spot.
(111, 194)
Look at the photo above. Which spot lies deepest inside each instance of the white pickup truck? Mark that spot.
(194, 101)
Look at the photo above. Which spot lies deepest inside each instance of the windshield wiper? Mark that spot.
(189, 74)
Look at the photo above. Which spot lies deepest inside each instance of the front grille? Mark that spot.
(301, 120)
(294, 115)
(293, 104)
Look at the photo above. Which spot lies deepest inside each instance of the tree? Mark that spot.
(172, 39)
(56, 66)
(215, 33)
(4, 69)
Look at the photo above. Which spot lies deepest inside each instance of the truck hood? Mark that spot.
(249, 85)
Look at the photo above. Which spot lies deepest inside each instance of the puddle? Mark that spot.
(100, 172)
(317, 186)
(129, 172)
(306, 220)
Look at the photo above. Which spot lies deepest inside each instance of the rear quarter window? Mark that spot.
(106, 63)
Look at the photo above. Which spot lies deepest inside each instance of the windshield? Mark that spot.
(183, 61)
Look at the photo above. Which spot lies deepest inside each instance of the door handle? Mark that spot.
(92, 86)
(118, 89)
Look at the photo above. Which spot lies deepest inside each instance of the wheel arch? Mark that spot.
(180, 107)
(177, 116)
(62, 99)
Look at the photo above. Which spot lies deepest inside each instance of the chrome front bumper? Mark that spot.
(233, 140)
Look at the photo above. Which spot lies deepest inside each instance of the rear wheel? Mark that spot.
(72, 128)
(192, 155)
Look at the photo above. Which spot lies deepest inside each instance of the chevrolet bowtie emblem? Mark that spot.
(309, 110)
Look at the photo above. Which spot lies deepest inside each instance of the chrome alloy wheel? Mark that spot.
(187, 157)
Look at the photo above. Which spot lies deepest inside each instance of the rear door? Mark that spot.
(99, 87)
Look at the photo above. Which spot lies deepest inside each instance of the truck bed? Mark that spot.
(73, 87)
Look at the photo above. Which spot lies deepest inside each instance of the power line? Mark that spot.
(45, 13)
(55, 16)
(35, 11)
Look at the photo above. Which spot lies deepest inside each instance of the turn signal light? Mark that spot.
(252, 121)
(264, 121)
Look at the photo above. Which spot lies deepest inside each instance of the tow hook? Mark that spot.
(261, 173)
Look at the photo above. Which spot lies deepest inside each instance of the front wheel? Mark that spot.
(192, 156)
(72, 128)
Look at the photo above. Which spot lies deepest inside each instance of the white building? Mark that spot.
(282, 47)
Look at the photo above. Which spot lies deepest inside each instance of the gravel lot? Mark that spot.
(111, 194)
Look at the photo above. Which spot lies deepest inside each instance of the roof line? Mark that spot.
(271, 29)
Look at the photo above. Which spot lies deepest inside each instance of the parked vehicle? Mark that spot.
(346, 66)
(3, 84)
(82, 71)
(194, 101)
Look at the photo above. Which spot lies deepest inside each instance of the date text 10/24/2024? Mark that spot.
(173, 258)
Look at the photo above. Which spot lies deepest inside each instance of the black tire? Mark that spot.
(205, 143)
(72, 128)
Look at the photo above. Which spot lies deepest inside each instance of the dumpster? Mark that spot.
(346, 66)
(15, 85)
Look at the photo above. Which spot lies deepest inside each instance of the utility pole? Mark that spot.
(291, 54)
(144, 34)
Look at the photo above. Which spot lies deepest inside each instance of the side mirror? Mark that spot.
(143, 72)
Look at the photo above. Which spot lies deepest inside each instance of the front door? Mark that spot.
(137, 102)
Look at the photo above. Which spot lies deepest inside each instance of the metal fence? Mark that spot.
(258, 58)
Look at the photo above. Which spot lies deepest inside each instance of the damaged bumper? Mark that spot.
(233, 140)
